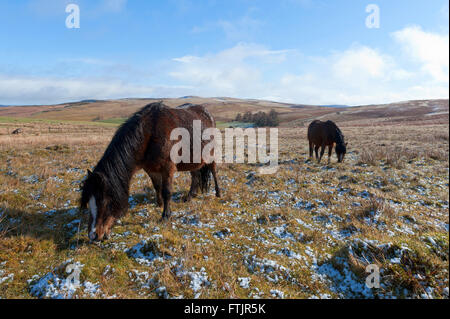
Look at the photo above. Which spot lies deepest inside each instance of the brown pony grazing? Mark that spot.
(323, 134)
(143, 142)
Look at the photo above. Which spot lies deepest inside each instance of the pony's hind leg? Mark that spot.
(311, 149)
(167, 178)
(205, 175)
(330, 151)
(214, 174)
(157, 184)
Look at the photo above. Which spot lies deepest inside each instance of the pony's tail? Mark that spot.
(205, 175)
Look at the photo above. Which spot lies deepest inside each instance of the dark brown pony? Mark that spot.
(323, 134)
(143, 142)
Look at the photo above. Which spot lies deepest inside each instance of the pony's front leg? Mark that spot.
(330, 151)
(167, 178)
(311, 149)
(195, 180)
(316, 150)
(157, 184)
(322, 151)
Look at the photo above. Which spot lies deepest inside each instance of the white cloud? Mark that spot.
(358, 75)
(354, 76)
(240, 29)
(304, 3)
(444, 13)
(114, 5)
(360, 61)
(47, 8)
(323, 90)
(34, 90)
(431, 50)
(234, 72)
(54, 8)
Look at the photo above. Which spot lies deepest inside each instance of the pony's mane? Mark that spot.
(339, 135)
(117, 164)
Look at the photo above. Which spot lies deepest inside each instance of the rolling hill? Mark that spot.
(225, 109)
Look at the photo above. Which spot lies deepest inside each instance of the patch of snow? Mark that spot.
(282, 233)
(277, 293)
(146, 252)
(244, 282)
(56, 285)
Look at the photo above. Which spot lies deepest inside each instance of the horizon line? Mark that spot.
(337, 105)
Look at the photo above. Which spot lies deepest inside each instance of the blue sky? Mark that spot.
(299, 51)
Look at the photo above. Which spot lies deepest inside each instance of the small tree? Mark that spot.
(247, 117)
(238, 117)
(273, 118)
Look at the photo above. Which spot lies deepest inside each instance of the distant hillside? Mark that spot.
(337, 106)
(225, 109)
(417, 112)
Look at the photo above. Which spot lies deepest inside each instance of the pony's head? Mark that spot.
(95, 195)
(341, 149)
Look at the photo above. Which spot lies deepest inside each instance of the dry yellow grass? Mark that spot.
(300, 233)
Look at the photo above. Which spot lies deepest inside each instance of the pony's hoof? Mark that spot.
(159, 202)
(165, 217)
(187, 199)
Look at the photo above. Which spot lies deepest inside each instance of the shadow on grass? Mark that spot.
(65, 227)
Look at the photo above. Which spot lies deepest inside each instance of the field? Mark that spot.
(308, 231)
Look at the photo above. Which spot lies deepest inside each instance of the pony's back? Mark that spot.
(313, 129)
